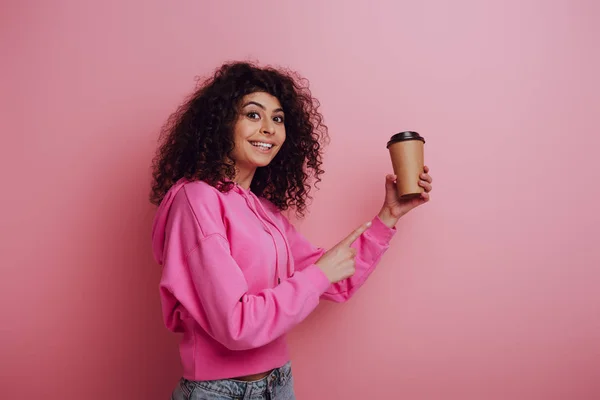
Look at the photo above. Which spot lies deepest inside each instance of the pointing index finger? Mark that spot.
(355, 235)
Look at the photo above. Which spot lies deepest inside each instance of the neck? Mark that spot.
(244, 178)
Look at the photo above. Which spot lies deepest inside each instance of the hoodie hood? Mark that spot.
(160, 221)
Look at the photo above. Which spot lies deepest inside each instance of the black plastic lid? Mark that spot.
(403, 136)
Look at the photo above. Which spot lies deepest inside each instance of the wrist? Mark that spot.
(324, 271)
(388, 218)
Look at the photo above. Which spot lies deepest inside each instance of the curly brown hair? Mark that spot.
(197, 140)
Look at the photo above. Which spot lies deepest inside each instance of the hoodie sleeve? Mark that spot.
(240, 320)
(370, 246)
(200, 274)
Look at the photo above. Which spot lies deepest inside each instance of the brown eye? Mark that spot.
(278, 119)
(253, 115)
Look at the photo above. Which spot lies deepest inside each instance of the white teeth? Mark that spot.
(261, 144)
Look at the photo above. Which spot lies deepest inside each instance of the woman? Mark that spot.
(236, 274)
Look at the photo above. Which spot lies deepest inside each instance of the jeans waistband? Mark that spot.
(245, 389)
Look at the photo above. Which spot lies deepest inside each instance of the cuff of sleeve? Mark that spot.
(317, 278)
(381, 231)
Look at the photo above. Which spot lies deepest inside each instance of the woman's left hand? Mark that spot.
(394, 207)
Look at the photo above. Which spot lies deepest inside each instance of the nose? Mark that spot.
(268, 127)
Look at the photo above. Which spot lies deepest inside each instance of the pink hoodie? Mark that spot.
(237, 276)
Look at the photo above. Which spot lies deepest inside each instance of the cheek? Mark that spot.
(283, 135)
(243, 130)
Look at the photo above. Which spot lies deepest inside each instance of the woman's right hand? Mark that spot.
(338, 262)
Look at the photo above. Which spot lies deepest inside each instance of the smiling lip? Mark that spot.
(263, 146)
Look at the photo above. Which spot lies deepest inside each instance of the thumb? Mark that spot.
(390, 181)
(390, 186)
(355, 235)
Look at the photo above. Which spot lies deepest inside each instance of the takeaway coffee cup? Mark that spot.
(407, 154)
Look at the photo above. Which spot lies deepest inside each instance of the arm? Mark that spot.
(212, 288)
(370, 246)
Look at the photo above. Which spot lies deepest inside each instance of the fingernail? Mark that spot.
(369, 223)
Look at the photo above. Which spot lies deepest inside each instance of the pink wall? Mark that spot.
(489, 292)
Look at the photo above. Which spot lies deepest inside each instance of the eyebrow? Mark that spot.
(261, 106)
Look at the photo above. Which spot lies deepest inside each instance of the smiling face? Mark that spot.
(258, 134)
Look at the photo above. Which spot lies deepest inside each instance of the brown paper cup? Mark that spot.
(407, 154)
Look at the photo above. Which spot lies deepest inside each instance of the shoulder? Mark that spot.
(187, 194)
(201, 191)
(204, 202)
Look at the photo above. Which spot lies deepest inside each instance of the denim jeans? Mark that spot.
(279, 385)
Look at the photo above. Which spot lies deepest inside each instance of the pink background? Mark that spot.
(488, 292)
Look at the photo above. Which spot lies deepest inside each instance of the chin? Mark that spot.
(262, 164)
